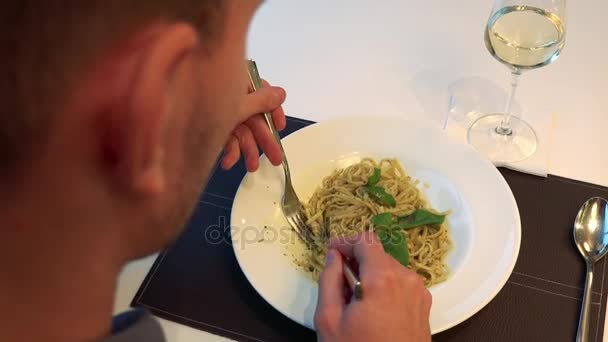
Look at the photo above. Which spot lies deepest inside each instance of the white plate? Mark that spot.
(485, 225)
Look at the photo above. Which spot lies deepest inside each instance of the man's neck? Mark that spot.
(54, 287)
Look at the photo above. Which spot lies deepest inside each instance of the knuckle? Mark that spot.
(385, 280)
(323, 321)
(412, 280)
(242, 140)
(238, 132)
(428, 298)
(419, 282)
(269, 102)
(250, 122)
(411, 276)
(243, 134)
(233, 142)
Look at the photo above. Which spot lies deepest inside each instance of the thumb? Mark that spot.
(263, 100)
(331, 293)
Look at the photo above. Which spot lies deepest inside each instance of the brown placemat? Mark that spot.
(541, 300)
(198, 282)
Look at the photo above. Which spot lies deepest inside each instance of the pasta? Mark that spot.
(345, 205)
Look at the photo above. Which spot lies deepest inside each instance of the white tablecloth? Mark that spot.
(395, 57)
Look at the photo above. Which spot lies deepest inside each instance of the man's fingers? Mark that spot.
(265, 139)
(278, 115)
(279, 119)
(254, 131)
(331, 293)
(365, 248)
(232, 153)
(264, 100)
(248, 147)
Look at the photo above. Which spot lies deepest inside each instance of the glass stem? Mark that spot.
(505, 124)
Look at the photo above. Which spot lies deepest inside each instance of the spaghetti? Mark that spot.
(345, 205)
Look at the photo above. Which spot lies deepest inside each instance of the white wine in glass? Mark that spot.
(522, 35)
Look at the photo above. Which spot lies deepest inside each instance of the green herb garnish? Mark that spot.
(383, 220)
(378, 194)
(395, 244)
(420, 217)
(374, 179)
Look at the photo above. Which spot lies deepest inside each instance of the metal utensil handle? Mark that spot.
(256, 82)
(353, 281)
(582, 335)
(351, 278)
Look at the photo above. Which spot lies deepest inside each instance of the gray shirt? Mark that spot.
(135, 326)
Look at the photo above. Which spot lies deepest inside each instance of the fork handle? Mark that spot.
(256, 83)
(353, 281)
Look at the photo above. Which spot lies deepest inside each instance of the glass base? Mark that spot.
(486, 137)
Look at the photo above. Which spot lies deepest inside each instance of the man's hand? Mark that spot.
(253, 130)
(395, 305)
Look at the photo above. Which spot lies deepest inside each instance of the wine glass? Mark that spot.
(523, 35)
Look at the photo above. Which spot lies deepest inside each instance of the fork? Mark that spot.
(291, 205)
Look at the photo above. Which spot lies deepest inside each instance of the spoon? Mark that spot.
(591, 237)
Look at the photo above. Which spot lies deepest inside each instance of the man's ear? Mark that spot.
(136, 130)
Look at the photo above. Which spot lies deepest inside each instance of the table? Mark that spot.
(393, 57)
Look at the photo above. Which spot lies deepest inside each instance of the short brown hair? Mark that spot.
(44, 43)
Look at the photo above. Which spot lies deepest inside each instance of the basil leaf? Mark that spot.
(395, 244)
(374, 178)
(420, 217)
(379, 195)
(383, 220)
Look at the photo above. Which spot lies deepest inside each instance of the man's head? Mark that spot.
(113, 112)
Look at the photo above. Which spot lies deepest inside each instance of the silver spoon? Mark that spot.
(591, 237)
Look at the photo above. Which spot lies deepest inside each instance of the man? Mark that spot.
(113, 115)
